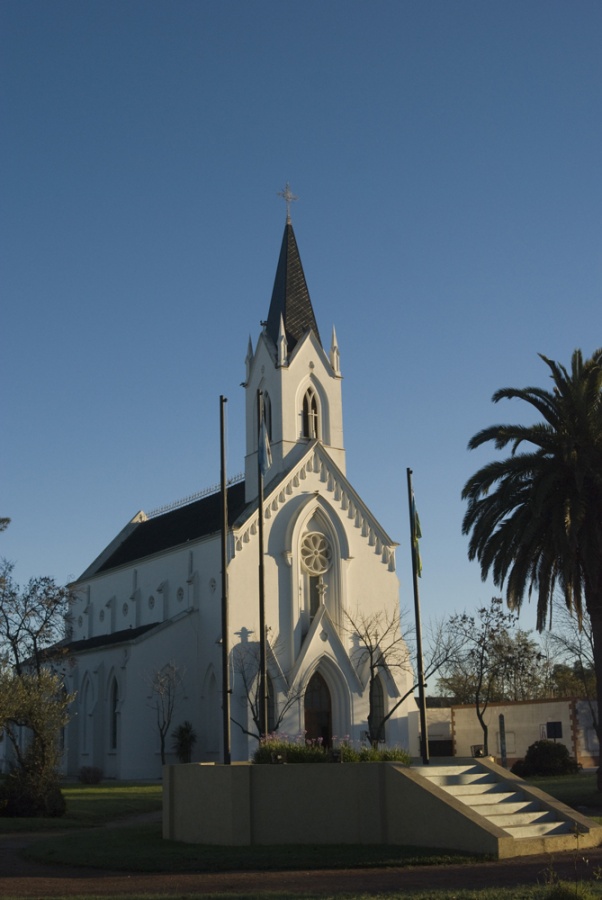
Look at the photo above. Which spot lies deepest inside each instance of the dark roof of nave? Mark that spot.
(105, 640)
(177, 526)
(290, 297)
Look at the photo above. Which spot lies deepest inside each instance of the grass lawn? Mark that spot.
(578, 791)
(144, 850)
(140, 846)
(89, 806)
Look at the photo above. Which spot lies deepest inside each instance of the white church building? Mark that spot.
(152, 600)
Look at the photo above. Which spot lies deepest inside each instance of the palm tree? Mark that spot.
(535, 518)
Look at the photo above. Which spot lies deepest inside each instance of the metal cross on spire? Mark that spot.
(288, 197)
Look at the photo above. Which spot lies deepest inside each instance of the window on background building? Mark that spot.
(553, 730)
(591, 740)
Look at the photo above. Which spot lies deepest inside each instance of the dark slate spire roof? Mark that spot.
(290, 297)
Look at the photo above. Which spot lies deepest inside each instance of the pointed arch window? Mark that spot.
(310, 415)
(316, 559)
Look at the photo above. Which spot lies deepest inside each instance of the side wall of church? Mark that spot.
(114, 721)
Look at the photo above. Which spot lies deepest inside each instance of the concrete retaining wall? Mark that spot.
(369, 803)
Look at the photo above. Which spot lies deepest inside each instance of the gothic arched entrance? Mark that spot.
(318, 711)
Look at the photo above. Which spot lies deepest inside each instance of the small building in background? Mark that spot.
(567, 720)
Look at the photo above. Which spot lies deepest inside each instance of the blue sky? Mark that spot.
(447, 160)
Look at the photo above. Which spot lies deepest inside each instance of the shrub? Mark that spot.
(23, 795)
(90, 775)
(38, 703)
(183, 739)
(546, 758)
(563, 890)
(520, 769)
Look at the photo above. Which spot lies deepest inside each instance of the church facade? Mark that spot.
(147, 613)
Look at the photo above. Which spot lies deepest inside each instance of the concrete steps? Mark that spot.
(497, 800)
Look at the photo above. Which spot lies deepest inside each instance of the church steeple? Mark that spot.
(299, 380)
(290, 297)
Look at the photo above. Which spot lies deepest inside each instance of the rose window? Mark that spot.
(316, 554)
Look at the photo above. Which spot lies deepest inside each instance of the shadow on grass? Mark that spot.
(146, 851)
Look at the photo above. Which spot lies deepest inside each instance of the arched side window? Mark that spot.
(86, 701)
(309, 415)
(113, 714)
(271, 706)
(212, 717)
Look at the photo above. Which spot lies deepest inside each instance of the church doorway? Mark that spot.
(318, 711)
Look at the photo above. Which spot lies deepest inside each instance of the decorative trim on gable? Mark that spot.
(317, 461)
(324, 631)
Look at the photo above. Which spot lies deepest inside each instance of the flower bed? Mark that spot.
(280, 749)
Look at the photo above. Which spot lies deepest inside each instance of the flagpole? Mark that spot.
(263, 679)
(424, 744)
(224, 556)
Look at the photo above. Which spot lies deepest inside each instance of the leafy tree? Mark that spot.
(33, 710)
(382, 646)
(572, 681)
(33, 704)
(497, 662)
(535, 517)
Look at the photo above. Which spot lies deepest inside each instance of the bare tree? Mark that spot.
(166, 685)
(34, 621)
(573, 644)
(246, 665)
(497, 663)
(382, 646)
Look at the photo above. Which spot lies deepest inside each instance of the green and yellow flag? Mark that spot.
(416, 535)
